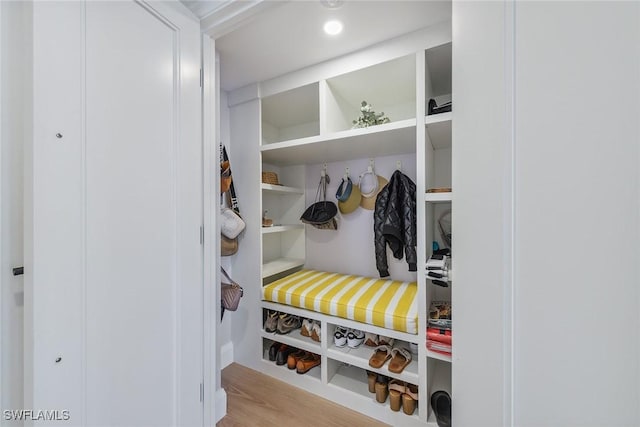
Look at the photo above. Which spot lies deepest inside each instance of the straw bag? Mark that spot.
(231, 293)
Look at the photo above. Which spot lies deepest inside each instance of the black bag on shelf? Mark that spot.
(433, 108)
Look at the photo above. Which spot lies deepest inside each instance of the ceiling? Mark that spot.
(288, 36)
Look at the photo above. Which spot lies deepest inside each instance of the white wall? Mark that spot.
(479, 178)
(350, 249)
(577, 223)
(15, 37)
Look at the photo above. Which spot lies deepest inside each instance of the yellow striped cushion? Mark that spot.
(389, 304)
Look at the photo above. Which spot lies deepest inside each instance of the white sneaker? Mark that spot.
(355, 338)
(340, 336)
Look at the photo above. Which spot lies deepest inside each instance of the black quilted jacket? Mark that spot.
(394, 222)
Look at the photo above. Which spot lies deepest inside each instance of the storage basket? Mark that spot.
(270, 178)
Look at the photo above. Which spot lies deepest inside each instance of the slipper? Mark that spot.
(401, 357)
(380, 355)
(441, 405)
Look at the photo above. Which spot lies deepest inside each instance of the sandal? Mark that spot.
(315, 331)
(382, 391)
(410, 399)
(287, 323)
(382, 340)
(380, 355)
(307, 325)
(371, 378)
(371, 340)
(401, 357)
(396, 390)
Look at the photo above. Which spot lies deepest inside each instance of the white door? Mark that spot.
(114, 256)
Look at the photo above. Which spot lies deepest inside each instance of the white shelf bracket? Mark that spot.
(399, 165)
(346, 174)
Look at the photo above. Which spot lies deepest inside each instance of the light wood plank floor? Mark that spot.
(255, 399)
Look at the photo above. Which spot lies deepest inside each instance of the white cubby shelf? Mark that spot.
(281, 189)
(438, 197)
(280, 265)
(281, 228)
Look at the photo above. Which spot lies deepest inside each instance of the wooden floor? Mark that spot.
(255, 399)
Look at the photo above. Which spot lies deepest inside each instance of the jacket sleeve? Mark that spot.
(410, 227)
(379, 239)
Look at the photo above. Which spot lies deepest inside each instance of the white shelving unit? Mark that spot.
(308, 123)
(438, 164)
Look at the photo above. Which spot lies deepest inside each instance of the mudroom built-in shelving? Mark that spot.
(293, 125)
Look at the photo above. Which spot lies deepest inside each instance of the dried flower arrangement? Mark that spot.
(368, 117)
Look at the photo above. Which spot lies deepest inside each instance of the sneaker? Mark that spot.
(287, 323)
(271, 323)
(340, 336)
(355, 338)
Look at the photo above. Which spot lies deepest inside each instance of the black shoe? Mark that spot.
(441, 405)
(273, 350)
(283, 354)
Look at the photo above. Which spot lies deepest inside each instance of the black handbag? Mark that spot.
(321, 214)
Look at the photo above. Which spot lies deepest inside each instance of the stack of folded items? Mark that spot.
(439, 333)
(438, 266)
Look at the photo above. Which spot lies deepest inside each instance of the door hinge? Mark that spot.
(201, 392)
(202, 234)
(201, 78)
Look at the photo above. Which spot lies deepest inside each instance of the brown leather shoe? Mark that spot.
(293, 358)
(307, 362)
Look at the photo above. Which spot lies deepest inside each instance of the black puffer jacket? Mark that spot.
(394, 222)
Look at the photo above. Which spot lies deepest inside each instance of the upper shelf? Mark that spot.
(382, 140)
(439, 130)
(281, 189)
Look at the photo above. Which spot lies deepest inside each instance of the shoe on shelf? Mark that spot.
(273, 351)
(382, 340)
(283, 354)
(310, 360)
(294, 357)
(410, 400)
(355, 338)
(371, 340)
(380, 355)
(381, 387)
(340, 336)
(400, 359)
(396, 389)
(305, 330)
(271, 323)
(371, 379)
(287, 323)
(315, 331)
(441, 405)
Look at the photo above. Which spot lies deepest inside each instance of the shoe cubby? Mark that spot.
(294, 338)
(438, 77)
(345, 93)
(356, 380)
(290, 115)
(314, 373)
(359, 357)
(439, 379)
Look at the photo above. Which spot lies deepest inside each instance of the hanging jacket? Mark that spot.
(394, 222)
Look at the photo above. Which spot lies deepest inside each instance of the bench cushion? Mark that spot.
(390, 304)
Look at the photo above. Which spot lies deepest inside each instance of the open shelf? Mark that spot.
(438, 356)
(355, 380)
(291, 114)
(438, 197)
(281, 228)
(294, 339)
(271, 268)
(383, 140)
(360, 357)
(439, 131)
(283, 373)
(435, 119)
(281, 189)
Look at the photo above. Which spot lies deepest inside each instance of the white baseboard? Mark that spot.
(226, 355)
(221, 404)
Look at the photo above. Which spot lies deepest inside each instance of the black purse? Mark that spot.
(321, 214)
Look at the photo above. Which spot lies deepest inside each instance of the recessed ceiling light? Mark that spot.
(333, 27)
(332, 4)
